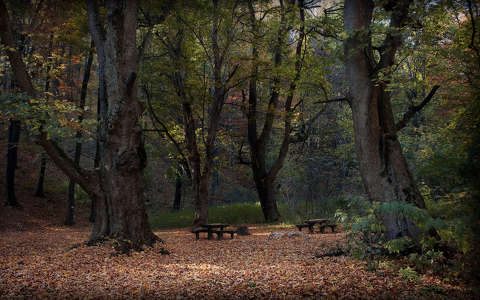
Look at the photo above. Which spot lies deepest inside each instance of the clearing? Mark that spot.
(37, 260)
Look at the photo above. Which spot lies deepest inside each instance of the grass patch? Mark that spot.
(235, 214)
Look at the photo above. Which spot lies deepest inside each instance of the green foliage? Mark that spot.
(429, 260)
(366, 239)
(56, 118)
(409, 274)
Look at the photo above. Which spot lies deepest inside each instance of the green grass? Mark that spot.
(235, 214)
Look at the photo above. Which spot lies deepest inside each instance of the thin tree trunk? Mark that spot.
(41, 176)
(12, 159)
(43, 160)
(177, 200)
(69, 219)
(201, 176)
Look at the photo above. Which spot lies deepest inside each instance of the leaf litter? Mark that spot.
(43, 264)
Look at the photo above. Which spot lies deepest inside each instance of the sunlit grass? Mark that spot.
(235, 214)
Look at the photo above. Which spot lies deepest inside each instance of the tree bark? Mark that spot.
(383, 167)
(121, 212)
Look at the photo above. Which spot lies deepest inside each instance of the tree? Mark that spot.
(200, 98)
(69, 219)
(383, 167)
(121, 210)
(15, 124)
(265, 177)
(117, 187)
(12, 154)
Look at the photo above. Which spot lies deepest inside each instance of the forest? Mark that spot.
(131, 128)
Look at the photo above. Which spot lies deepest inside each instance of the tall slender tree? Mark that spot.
(69, 219)
(200, 132)
(264, 176)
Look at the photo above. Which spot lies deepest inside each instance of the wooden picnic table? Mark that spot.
(210, 229)
(316, 221)
(311, 222)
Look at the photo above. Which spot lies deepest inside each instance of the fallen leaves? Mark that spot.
(44, 265)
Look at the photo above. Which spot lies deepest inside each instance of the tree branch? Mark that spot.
(333, 100)
(86, 179)
(155, 118)
(143, 46)
(472, 41)
(414, 109)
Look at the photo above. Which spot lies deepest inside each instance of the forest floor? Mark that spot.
(37, 261)
(41, 258)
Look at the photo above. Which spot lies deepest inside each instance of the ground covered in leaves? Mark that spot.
(38, 261)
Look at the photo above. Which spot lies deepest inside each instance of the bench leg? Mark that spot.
(197, 235)
(322, 229)
(219, 235)
(209, 235)
(310, 228)
(299, 228)
(231, 235)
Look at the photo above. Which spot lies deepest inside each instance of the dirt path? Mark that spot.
(41, 263)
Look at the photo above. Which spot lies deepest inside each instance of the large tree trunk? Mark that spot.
(101, 114)
(121, 212)
(266, 193)
(12, 158)
(383, 167)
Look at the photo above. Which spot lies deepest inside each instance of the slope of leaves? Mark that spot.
(42, 263)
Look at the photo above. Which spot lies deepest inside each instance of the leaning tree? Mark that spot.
(117, 185)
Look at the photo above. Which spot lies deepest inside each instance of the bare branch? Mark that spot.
(414, 109)
(332, 100)
(165, 130)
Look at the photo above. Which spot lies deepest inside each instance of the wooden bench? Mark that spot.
(322, 224)
(332, 226)
(300, 226)
(197, 232)
(210, 229)
(221, 232)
